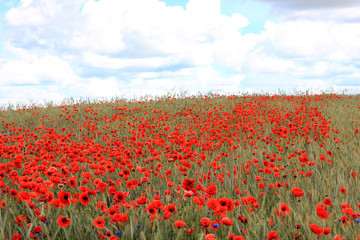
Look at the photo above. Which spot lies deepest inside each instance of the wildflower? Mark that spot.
(16, 236)
(179, 224)
(63, 221)
(99, 223)
(188, 184)
(285, 210)
(205, 222)
(345, 220)
(321, 212)
(211, 190)
(316, 229)
(326, 231)
(84, 198)
(25, 196)
(210, 236)
(199, 201)
(214, 225)
(64, 197)
(227, 221)
(272, 236)
(328, 202)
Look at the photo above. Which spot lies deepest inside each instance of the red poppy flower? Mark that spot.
(210, 236)
(157, 204)
(199, 201)
(213, 204)
(150, 208)
(298, 192)
(63, 221)
(13, 193)
(227, 221)
(37, 229)
(316, 229)
(170, 208)
(72, 182)
(205, 222)
(272, 236)
(328, 202)
(345, 220)
(16, 236)
(179, 224)
(343, 190)
(188, 184)
(99, 223)
(25, 196)
(327, 231)
(284, 208)
(64, 197)
(142, 200)
(321, 212)
(211, 190)
(84, 198)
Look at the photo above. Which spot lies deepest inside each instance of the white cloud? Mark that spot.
(305, 53)
(46, 69)
(110, 46)
(308, 4)
(320, 10)
(23, 95)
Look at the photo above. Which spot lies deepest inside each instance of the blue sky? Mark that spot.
(55, 49)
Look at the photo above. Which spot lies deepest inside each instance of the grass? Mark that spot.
(232, 142)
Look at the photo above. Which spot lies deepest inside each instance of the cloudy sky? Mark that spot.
(52, 49)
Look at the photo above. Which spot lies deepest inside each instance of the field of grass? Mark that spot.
(205, 167)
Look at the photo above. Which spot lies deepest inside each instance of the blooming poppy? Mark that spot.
(199, 201)
(188, 184)
(16, 236)
(213, 204)
(37, 229)
(227, 221)
(327, 231)
(99, 223)
(284, 208)
(272, 236)
(63, 221)
(13, 193)
(72, 182)
(84, 198)
(345, 220)
(205, 222)
(64, 197)
(210, 236)
(119, 197)
(25, 196)
(211, 190)
(321, 212)
(328, 202)
(316, 229)
(179, 224)
(297, 192)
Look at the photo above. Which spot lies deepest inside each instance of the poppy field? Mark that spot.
(201, 167)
